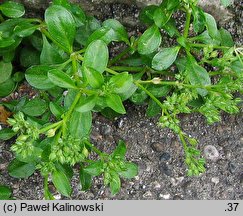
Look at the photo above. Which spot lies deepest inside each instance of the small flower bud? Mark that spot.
(156, 80)
(51, 133)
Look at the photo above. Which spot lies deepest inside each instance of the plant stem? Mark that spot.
(149, 94)
(47, 128)
(68, 114)
(119, 56)
(188, 22)
(206, 45)
(125, 68)
(111, 71)
(97, 151)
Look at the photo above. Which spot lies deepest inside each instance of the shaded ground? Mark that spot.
(158, 152)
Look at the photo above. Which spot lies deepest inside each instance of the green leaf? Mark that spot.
(130, 170)
(237, 67)
(35, 107)
(79, 15)
(86, 103)
(95, 168)
(206, 39)
(7, 87)
(197, 75)
(56, 109)
(199, 19)
(37, 77)
(5, 192)
(226, 3)
(61, 26)
(85, 179)
(19, 169)
(104, 34)
(122, 84)
(29, 56)
(64, 3)
(80, 124)
(170, 28)
(12, 9)
(212, 27)
(171, 5)
(61, 79)
(138, 97)
(66, 169)
(120, 151)
(158, 90)
(114, 102)
(62, 183)
(84, 32)
(50, 54)
(5, 42)
(147, 13)
(96, 56)
(94, 77)
(153, 109)
(119, 32)
(226, 38)
(18, 77)
(5, 71)
(165, 58)
(160, 17)
(25, 29)
(115, 183)
(6, 134)
(149, 41)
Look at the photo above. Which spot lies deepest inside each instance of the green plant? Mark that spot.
(67, 61)
(5, 193)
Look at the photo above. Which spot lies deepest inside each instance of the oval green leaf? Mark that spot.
(35, 107)
(61, 79)
(165, 58)
(114, 102)
(94, 77)
(149, 41)
(62, 183)
(5, 71)
(96, 56)
(61, 26)
(20, 169)
(86, 103)
(7, 87)
(12, 9)
(37, 77)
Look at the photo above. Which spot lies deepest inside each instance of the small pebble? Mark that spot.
(211, 153)
(165, 196)
(148, 194)
(57, 196)
(215, 180)
(105, 129)
(177, 197)
(164, 168)
(232, 168)
(165, 156)
(241, 196)
(157, 147)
